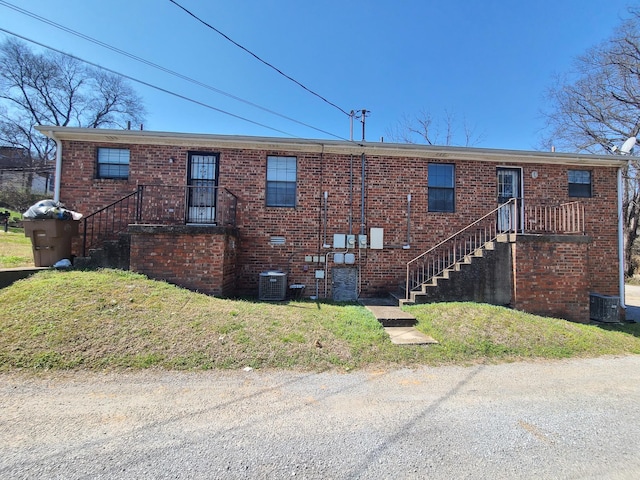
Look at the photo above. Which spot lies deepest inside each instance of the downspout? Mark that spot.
(621, 240)
(56, 188)
(363, 173)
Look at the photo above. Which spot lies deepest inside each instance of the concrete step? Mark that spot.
(398, 324)
(506, 237)
(408, 336)
(392, 316)
(466, 260)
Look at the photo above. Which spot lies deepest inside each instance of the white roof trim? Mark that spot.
(199, 140)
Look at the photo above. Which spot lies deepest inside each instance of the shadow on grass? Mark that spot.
(628, 328)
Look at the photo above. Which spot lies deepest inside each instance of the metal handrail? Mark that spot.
(187, 204)
(110, 220)
(161, 205)
(464, 242)
(567, 218)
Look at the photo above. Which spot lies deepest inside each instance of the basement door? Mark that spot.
(344, 282)
(509, 186)
(202, 187)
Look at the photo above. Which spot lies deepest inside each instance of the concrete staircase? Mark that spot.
(111, 254)
(486, 267)
(398, 324)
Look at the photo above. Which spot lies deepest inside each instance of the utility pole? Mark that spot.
(351, 115)
(364, 117)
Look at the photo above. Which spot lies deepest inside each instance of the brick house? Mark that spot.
(533, 230)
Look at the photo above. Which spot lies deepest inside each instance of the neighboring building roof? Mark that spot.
(12, 156)
(328, 146)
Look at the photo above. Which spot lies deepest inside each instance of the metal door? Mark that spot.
(344, 281)
(202, 187)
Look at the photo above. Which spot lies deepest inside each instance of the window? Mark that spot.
(113, 163)
(440, 183)
(281, 181)
(579, 183)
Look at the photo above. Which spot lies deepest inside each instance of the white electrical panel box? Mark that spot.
(351, 241)
(349, 258)
(376, 241)
(319, 273)
(339, 240)
(362, 241)
(338, 258)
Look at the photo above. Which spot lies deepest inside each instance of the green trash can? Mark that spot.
(50, 239)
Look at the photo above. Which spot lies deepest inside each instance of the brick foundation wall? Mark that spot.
(552, 276)
(197, 258)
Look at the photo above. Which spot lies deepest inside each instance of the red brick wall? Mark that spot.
(552, 276)
(388, 180)
(198, 258)
(601, 223)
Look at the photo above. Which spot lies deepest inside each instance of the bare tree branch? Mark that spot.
(55, 89)
(598, 106)
(422, 128)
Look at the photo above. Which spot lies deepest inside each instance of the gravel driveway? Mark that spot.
(565, 419)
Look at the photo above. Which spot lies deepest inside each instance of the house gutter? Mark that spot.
(56, 188)
(149, 137)
(621, 241)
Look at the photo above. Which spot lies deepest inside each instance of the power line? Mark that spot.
(160, 67)
(258, 58)
(147, 84)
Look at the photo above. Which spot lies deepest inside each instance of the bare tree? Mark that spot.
(56, 89)
(422, 128)
(597, 106)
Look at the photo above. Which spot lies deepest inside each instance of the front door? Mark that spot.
(202, 187)
(509, 186)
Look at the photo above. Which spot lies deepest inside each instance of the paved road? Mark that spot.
(577, 419)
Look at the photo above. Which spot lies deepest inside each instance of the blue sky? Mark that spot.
(488, 63)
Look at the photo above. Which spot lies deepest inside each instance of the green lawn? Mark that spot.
(15, 249)
(111, 319)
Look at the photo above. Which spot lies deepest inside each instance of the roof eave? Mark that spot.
(276, 144)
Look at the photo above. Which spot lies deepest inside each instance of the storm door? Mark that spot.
(509, 186)
(202, 187)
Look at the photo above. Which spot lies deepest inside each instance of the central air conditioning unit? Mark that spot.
(272, 286)
(604, 308)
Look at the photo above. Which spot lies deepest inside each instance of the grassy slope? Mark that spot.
(114, 319)
(15, 249)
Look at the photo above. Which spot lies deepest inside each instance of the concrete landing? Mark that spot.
(408, 336)
(10, 275)
(398, 324)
